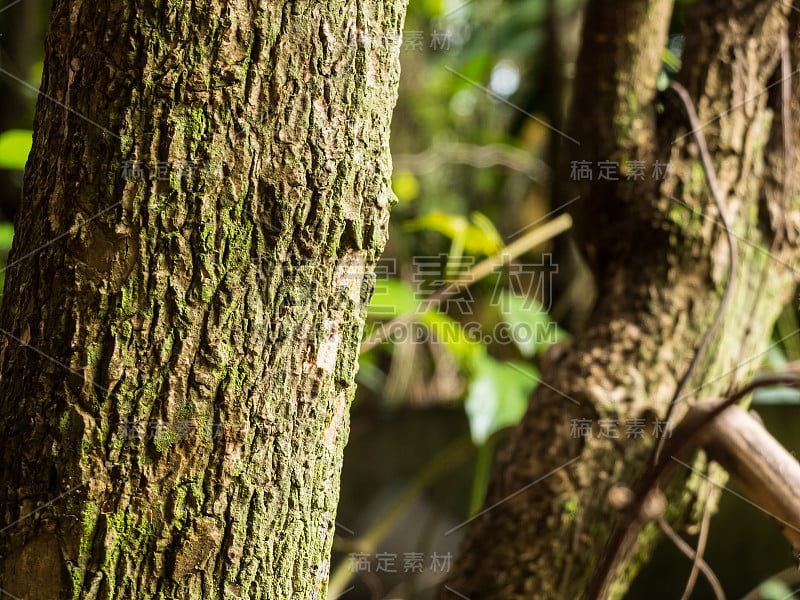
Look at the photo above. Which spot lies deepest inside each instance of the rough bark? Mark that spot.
(227, 295)
(661, 269)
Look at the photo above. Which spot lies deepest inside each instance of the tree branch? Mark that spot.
(768, 474)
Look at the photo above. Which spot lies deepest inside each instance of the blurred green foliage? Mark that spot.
(6, 238)
(15, 145)
(775, 590)
(471, 72)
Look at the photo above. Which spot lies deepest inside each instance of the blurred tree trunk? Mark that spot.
(207, 194)
(659, 254)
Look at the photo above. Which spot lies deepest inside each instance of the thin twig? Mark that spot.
(716, 194)
(702, 539)
(687, 550)
(482, 269)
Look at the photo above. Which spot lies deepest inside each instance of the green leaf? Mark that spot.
(433, 7)
(446, 330)
(6, 236)
(498, 395)
(450, 225)
(776, 395)
(662, 83)
(478, 237)
(671, 60)
(392, 298)
(405, 186)
(482, 237)
(15, 145)
(529, 326)
(477, 68)
(773, 589)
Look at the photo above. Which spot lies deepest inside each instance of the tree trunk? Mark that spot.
(207, 194)
(660, 257)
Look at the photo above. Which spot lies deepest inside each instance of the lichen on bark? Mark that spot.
(216, 299)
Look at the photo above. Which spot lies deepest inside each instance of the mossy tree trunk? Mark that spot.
(659, 254)
(208, 191)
